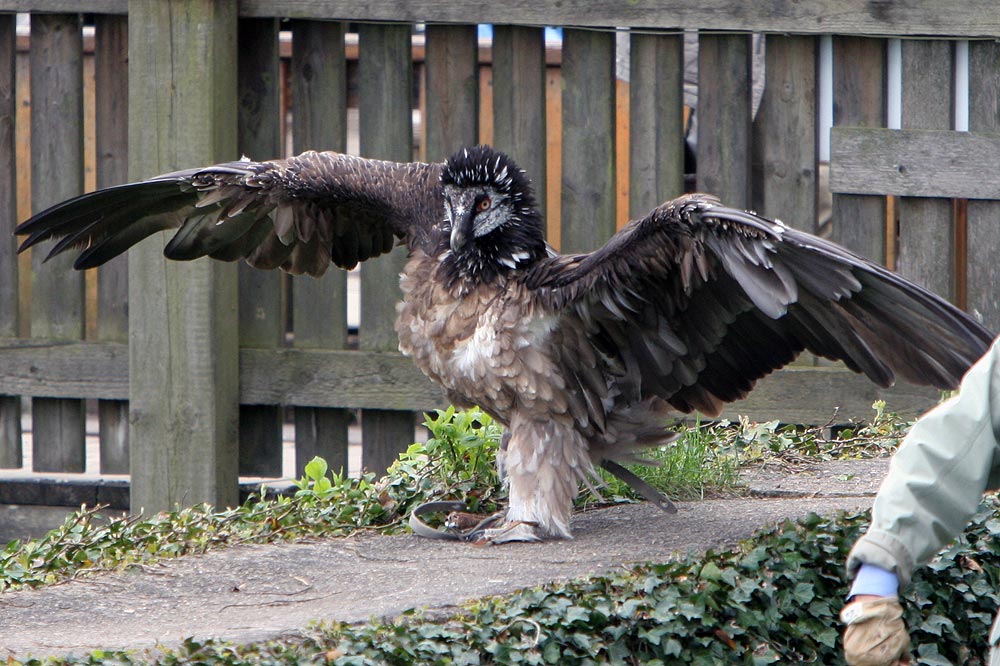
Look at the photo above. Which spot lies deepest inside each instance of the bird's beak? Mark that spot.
(460, 227)
(458, 237)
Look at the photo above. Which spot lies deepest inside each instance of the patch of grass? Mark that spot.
(695, 466)
(705, 461)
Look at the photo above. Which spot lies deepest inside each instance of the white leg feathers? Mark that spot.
(544, 464)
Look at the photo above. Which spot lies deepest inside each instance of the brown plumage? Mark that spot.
(582, 357)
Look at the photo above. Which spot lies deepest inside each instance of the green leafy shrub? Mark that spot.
(754, 442)
(457, 462)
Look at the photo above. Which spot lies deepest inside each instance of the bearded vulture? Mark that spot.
(582, 357)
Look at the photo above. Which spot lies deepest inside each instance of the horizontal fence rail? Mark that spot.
(973, 18)
(384, 380)
(601, 119)
(913, 163)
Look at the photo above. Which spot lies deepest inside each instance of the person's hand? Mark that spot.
(876, 634)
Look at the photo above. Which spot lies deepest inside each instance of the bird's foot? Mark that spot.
(477, 529)
(515, 530)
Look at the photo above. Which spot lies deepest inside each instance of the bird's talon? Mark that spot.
(518, 530)
(473, 534)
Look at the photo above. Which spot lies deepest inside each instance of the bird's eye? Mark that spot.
(483, 205)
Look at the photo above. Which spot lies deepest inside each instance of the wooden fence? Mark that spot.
(192, 364)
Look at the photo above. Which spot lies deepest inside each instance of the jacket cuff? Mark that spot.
(884, 551)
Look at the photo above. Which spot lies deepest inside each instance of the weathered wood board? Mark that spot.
(724, 113)
(362, 380)
(914, 163)
(588, 140)
(972, 19)
(859, 79)
(519, 113)
(452, 90)
(10, 405)
(784, 133)
(385, 74)
(656, 122)
(260, 315)
(926, 252)
(184, 349)
(111, 146)
(983, 232)
(319, 306)
(57, 303)
(915, 17)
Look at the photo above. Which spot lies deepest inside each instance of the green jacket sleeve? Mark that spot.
(937, 477)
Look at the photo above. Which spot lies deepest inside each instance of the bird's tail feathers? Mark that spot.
(633, 428)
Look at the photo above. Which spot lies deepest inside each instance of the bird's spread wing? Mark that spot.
(697, 301)
(299, 214)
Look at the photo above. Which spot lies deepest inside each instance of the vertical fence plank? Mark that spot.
(724, 110)
(519, 100)
(183, 351)
(319, 306)
(983, 271)
(859, 72)
(259, 137)
(111, 138)
(587, 216)
(452, 62)
(784, 141)
(784, 137)
(926, 247)
(385, 88)
(656, 121)
(10, 406)
(58, 426)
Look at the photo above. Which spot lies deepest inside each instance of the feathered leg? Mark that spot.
(543, 463)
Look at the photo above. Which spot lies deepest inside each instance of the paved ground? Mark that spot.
(259, 592)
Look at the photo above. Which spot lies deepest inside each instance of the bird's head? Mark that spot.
(490, 213)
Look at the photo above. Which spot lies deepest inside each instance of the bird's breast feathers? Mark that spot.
(488, 346)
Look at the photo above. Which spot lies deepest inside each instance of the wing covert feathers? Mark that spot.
(298, 214)
(695, 302)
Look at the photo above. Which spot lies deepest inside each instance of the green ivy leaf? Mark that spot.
(316, 468)
(803, 593)
(711, 571)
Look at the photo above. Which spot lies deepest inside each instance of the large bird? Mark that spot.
(582, 357)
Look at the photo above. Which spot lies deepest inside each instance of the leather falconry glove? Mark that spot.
(876, 634)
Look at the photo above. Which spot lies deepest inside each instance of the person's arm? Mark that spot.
(937, 478)
(934, 485)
